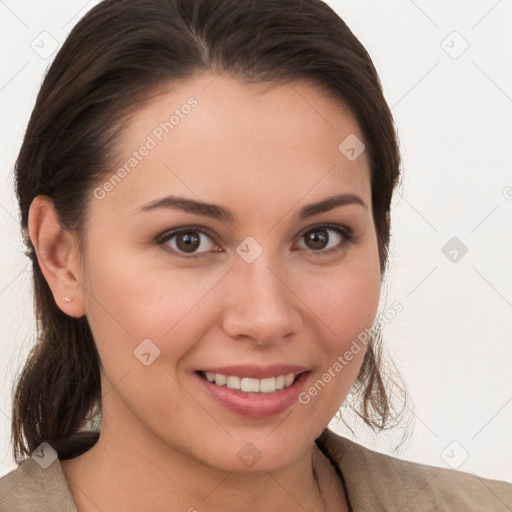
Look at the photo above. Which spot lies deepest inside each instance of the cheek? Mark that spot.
(135, 298)
(135, 309)
(349, 302)
(346, 307)
(345, 297)
(130, 302)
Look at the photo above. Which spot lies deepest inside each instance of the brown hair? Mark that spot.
(116, 58)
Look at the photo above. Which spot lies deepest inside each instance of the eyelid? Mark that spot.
(176, 231)
(344, 231)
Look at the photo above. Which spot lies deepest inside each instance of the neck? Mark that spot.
(145, 474)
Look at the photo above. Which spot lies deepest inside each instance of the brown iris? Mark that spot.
(321, 239)
(187, 241)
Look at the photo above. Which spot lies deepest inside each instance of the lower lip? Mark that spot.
(255, 405)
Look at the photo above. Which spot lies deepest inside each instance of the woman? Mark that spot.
(205, 191)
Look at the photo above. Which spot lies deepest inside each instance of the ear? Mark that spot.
(57, 256)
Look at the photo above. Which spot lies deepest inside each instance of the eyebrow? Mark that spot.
(222, 213)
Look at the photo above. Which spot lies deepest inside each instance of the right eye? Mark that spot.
(184, 242)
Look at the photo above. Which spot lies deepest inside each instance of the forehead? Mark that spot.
(212, 136)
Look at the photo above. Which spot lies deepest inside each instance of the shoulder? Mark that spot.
(32, 488)
(377, 481)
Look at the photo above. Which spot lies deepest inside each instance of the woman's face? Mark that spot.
(272, 291)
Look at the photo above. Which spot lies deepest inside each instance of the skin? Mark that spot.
(264, 152)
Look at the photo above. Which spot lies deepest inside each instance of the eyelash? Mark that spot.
(345, 233)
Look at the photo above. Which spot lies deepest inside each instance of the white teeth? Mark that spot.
(220, 379)
(268, 385)
(249, 385)
(233, 382)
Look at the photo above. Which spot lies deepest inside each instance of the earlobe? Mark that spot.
(54, 253)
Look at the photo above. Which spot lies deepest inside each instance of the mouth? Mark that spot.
(252, 392)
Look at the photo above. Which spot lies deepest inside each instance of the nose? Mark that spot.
(260, 304)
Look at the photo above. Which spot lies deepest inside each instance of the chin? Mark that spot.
(255, 451)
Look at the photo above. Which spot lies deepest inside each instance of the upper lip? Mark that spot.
(256, 372)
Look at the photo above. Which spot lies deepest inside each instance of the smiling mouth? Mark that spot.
(250, 385)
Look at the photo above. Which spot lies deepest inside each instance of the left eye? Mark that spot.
(318, 237)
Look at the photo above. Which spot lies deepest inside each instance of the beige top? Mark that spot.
(375, 482)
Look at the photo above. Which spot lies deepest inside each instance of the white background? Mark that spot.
(453, 110)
